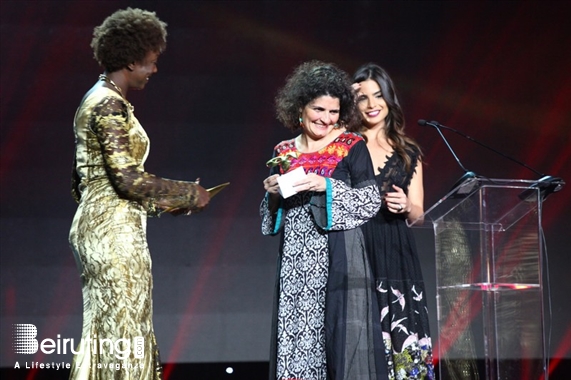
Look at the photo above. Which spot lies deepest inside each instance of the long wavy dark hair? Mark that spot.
(394, 122)
(310, 81)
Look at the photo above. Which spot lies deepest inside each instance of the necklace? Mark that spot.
(105, 78)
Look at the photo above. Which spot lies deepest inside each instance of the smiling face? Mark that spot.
(320, 116)
(142, 71)
(371, 104)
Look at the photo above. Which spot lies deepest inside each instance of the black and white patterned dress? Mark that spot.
(316, 228)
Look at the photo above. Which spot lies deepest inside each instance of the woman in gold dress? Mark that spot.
(115, 195)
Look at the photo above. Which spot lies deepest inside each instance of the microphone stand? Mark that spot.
(547, 184)
(468, 175)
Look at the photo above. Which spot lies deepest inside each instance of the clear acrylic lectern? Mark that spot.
(489, 246)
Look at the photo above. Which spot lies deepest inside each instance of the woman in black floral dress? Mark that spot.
(390, 243)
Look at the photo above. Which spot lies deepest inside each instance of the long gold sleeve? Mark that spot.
(111, 125)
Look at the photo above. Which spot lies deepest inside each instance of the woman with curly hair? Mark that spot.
(323, 327)
(390, 243)
(115, 196)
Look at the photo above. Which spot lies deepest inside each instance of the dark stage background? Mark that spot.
(498, 71)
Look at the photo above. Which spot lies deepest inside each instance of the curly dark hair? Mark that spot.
(394, 122)
(310, 81)
(127, 36)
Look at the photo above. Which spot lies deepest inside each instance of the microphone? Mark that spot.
(547, 184)
(468, 174)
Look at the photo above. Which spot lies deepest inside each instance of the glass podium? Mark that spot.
(489, 250)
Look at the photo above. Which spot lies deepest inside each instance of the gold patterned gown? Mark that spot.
(108, 238)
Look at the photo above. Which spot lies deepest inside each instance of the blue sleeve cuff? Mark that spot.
(279, 216)
(329, 203)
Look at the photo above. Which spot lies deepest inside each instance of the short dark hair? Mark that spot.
(127, 36)
(310, 81)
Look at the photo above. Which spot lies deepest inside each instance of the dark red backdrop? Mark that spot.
(498, 71)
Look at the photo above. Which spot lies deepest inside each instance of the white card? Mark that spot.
(287, 180)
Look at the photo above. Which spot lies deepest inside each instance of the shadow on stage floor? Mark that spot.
(217, 371)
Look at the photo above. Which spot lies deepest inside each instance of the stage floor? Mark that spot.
(220, 371)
